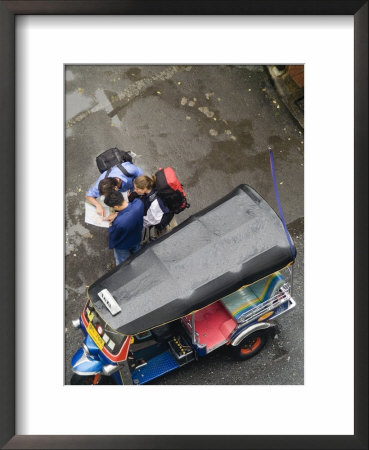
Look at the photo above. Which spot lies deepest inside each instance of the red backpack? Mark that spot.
(170, 190)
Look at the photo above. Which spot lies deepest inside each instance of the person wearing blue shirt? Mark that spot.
(121, 182)
(126, 229)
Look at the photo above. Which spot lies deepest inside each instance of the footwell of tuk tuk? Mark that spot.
(158, 359)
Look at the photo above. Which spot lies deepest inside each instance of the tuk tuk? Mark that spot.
(219, 278)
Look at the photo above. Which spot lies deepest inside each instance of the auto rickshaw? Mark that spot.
(219, 278)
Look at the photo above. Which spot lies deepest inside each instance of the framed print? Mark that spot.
(38, 408)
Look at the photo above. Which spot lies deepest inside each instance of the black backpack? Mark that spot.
(112, 157)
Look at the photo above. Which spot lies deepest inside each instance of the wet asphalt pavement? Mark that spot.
(214, 125)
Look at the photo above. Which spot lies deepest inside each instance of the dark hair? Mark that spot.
(107, 185)
(114, 198)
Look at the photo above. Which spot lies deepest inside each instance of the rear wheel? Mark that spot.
(251, 345)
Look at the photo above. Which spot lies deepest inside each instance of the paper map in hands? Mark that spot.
(93, 218)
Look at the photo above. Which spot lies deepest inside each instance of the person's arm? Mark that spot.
(139, 171)
(134, 170)
(153, 215)
(111, 217)
(92, 195)
(99, 207)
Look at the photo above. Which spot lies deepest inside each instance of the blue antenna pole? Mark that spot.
(293, 252)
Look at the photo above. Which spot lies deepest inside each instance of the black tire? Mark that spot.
(89, 379)
(80, 380)
(251, 345)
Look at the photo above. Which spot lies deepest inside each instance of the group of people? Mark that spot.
(138, 211)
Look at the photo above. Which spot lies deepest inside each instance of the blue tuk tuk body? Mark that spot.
(217, 279)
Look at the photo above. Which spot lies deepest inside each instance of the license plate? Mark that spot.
(95, 336)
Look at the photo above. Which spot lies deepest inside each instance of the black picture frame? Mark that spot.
(8, 11)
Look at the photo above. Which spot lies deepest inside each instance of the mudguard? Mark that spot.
(83, 364)
(250, 330)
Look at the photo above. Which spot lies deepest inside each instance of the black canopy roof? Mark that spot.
(235, 241)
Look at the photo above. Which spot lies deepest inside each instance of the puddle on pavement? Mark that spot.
(133, 73)
(227, 155)
(69, 75)
(115, 122)
(230, 157)
(76, 103)
(242, 131)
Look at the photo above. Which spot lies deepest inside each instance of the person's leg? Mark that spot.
(172, 224)
(121, 255)
(145, 236)
(135, 249)
(153, 233)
